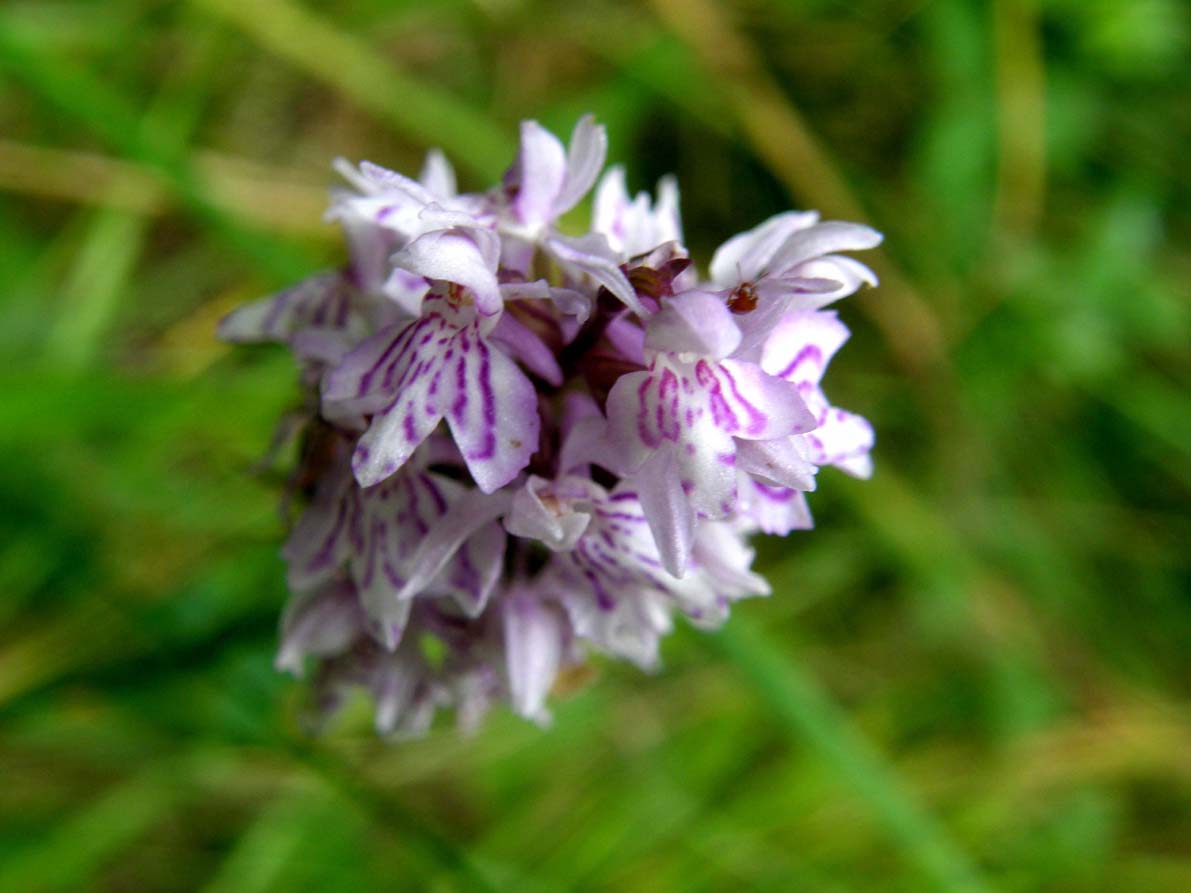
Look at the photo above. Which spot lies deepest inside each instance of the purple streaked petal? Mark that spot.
(320, 301)
(776, 510)
(763, 407)
(369, 368)
(844, 440)
(408, 419)
(492, 410)
(318, 624)
(319, 544)
(802, 344)
(474, 570)
(467, 515)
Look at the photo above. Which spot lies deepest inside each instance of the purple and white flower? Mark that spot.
(525, 444)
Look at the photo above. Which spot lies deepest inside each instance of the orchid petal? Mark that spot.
(756, 406)
(537, 176)
(437, 174)
(821, 239)
(742, 258)
(474, 570)
(670, 515)
(492, 411)
(585, 157)
(695, 322)
(465, 257)
(785, 462)
(591, 256)
(534, 636)
(557, 526)
(844, 440)
(522, 343)
(802, 344)
(400, 426)
(467, 515)
(320, 542)
(776, 510)
(318, 624)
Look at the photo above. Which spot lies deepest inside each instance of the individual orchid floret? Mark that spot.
(789, 262)
(443, 365)
(524, 445)
(677, 424)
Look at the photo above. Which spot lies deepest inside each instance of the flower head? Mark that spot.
(531, 445)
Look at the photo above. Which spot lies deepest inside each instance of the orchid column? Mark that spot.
(522, 446)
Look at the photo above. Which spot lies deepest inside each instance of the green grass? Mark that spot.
(974, 675)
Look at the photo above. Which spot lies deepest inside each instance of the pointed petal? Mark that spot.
(320, 543)
(609, 206)
(750, 404)
(670, 516)
(437, 174)
(466, 515)
(776, 510)
(471, 575)
(851, 274)
(534, 637)
(318, 624)
(743, 258)
(821, 239)
(365, 377)
(585, 157)
(522, 343)
(666, 211)
(591, 256)
(537, 175)
(785, 462)
(401, 425)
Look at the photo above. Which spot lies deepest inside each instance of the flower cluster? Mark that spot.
(521, 445)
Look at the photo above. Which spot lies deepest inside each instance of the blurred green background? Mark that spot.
(975, 675)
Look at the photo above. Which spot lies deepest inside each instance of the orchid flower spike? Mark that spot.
(527, 445)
